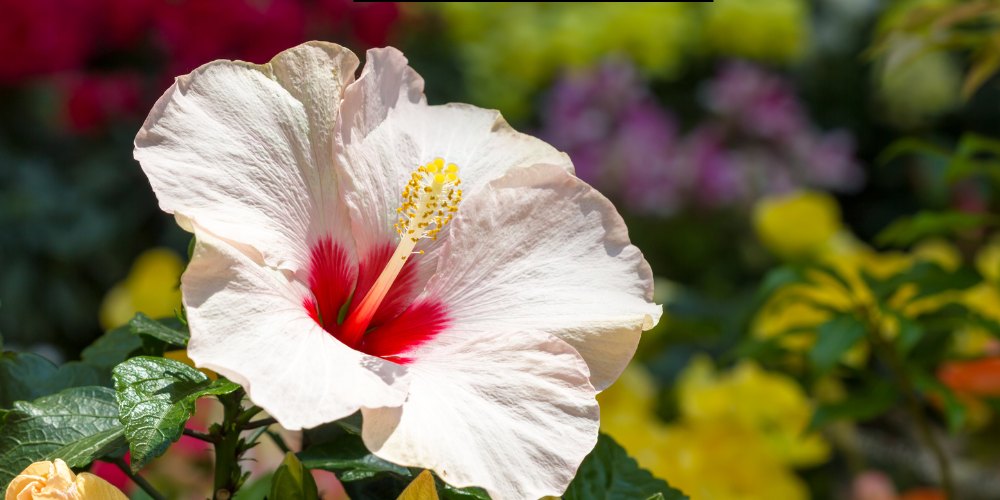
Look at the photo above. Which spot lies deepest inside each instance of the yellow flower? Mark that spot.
(988, 261)
(150, 287)
(771, 405)
(814, 215)
(55, 481)
(747, 422)
(716, 461)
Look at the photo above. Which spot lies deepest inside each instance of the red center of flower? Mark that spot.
(398, 325)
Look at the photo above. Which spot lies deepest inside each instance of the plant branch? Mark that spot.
(199, 435)
(139, 480)
(278, 441)
(914, 406)
(264, 422)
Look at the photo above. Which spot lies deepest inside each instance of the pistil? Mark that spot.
(430, 200)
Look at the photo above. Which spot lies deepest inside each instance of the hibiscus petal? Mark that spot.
(513, 413)
(249, 324)
(245, 151)
(387, 130)
(540, 250)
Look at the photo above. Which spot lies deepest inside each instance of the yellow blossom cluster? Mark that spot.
(746, 421)
(794, 313)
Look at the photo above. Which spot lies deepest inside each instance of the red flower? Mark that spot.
(93, 100)
(194, 32)
(370, 23)
(39, 37)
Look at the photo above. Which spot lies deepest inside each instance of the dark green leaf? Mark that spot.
(834, 339)
(169, 331)
(156, 398)
(84, 451)
(448, 492)
(910, 333)
(111, 348)
(860, 406)
(347, 455)
(955, 412)
(33, 431)
(609, 473)
(28, 376)
(909, 230)
(293, 481)
(779, 278)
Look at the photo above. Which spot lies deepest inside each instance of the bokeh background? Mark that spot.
(735, 137)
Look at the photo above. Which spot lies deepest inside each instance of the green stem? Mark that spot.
(914, 406)
(139, 480)
(226, 437)
(264, 422)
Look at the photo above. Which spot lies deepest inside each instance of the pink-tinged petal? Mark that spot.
(245, 151)
(248, 323)
(540, 250)
(512, 412)
(387, 130)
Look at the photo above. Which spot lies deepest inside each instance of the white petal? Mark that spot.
(245, 151)
(510, 412)
(248, 323)
(540, 250)
(388, 131)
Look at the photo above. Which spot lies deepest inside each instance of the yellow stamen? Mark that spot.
(427, 196)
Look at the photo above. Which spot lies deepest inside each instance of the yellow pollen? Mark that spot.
(429, 201)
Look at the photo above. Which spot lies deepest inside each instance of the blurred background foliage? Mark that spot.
(813, 182)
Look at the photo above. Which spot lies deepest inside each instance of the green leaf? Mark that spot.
(834, 339)
(860, 406)
(28, 376)
(156, 398)
(82, 452)
(111, 348)
(448, 492)
(33, 431)
(910, 333)
(909, 230)
(293, 481)
(779, 278)
(160, 330)
(955, 412)
(346, 455)
(609, 473)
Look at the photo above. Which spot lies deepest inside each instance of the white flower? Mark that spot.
(428, 265)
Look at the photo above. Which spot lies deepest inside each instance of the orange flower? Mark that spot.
(979, 377)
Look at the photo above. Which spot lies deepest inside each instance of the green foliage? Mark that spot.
(293, 481)
(835, 338)
(337, 447)
(170, 332)
(906, 231)
(974, 156)
(862, 404)
(609, 473)
(82, 452)
(28, 376)
(80, 422)
(111, 348)
(344, 453)
(156, 397)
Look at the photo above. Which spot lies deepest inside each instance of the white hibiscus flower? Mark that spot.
(428, 265)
